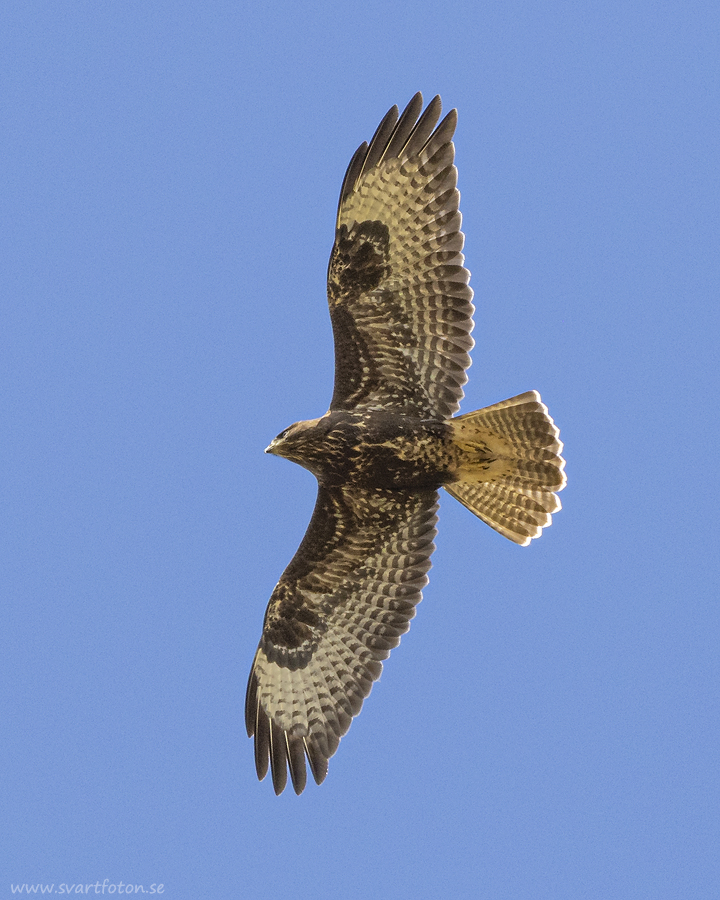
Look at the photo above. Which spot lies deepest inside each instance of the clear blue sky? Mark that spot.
(549, 728)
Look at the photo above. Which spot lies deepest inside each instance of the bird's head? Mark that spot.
(298, 443)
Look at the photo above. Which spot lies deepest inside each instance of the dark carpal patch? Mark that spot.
(292, 629)
(359, 261)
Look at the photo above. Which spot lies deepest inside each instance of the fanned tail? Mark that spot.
(509, 468)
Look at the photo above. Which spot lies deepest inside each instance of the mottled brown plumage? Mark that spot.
(401, 312)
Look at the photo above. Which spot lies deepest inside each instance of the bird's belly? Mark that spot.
(402, 462)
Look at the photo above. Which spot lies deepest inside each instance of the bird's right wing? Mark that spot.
(398, 290)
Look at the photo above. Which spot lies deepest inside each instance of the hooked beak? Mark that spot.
(272, 447)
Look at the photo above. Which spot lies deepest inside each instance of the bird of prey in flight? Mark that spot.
(401, 312)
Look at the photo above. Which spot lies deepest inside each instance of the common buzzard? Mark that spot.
(401, 313)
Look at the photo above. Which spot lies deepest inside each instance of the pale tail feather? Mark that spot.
(509, 466)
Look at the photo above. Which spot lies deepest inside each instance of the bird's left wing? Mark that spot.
(339, 608)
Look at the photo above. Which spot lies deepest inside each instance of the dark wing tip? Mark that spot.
(251, 703)
(395, 136)
(443, 134)
(317, 759)
(262, 742)
(278, 757)
(352, 174)
(424, 127)
(296, 762)
(404, 127)
(277, 750)
(380, 139)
